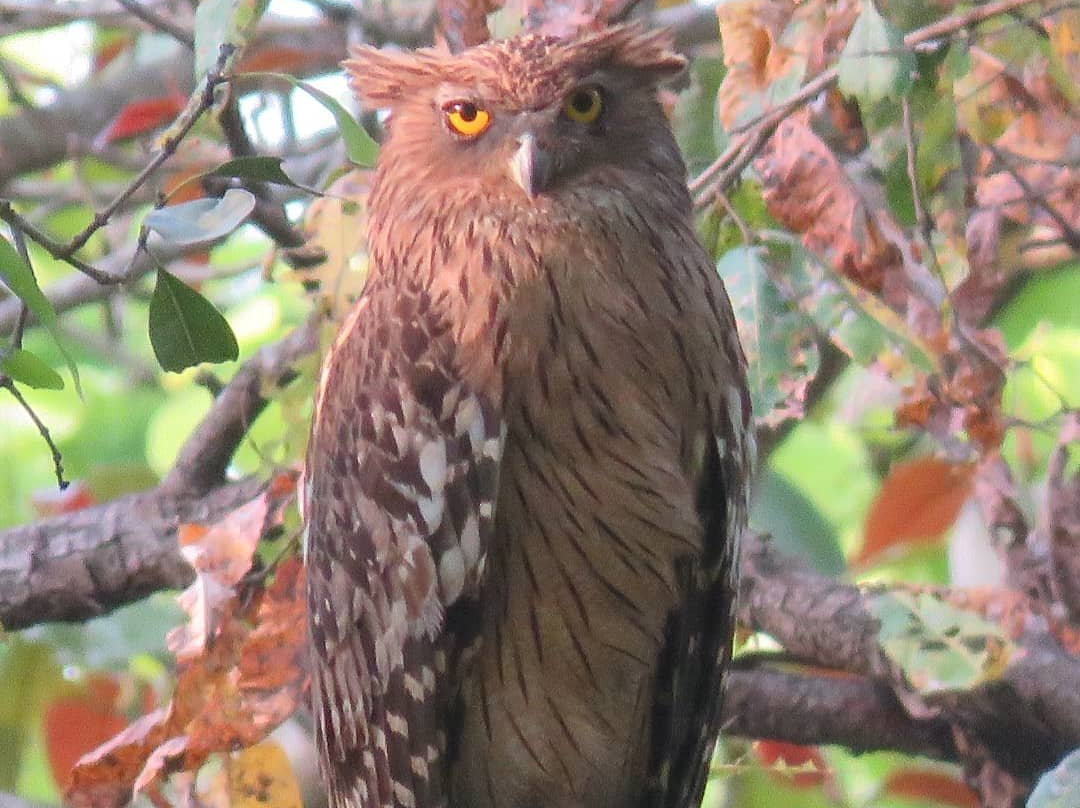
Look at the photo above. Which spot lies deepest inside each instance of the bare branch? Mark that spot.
(158, 22)
(854, 712)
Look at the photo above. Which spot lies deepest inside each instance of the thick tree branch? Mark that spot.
(855, 712)
(1028, 719)
(83, 564)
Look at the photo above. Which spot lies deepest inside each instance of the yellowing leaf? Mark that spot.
(261, 777)
(937, 646)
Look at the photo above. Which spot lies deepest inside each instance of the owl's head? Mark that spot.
(532, 114)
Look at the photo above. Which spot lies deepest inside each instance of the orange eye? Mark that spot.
(467, 119)
(584, 105)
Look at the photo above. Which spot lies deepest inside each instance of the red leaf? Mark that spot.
(280, 59)
(930, 786)
(76, 724)
(143, 116)
(917, 503)
(53, 502)
(782, 755)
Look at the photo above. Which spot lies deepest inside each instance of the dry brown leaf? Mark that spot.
(464, 22)
(240, 671)
(964, 396)
(220, 555)
(771, 45)
(808, 190)
(750, 31)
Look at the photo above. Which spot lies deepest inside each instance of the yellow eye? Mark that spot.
(584, 105)
(467, 119)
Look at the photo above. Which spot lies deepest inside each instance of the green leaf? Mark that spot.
(874, 63)
(938, 646)
(218, 22)
(27, 368)
(359, 145)
(782, 510)
(185, 328)
(19, 278)
(1059, 787)
(259, 169)
(779, 342)
(854, 320)
(201, 222)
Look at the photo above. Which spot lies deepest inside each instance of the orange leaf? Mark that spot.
(279, 59)
(103, 777)
(240, 663)
(917, 503)
(930, 786)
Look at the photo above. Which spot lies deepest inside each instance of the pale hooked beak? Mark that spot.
(531, 165)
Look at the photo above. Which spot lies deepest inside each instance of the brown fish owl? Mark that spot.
(529, 463)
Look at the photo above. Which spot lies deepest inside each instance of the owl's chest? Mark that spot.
(594, 505)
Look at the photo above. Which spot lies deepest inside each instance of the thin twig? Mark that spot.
(214, 78)
(748, 236)
(24, 310)
(1070, 233)
(926, 227)
(58, 461)
(53, 248)
(15, 92)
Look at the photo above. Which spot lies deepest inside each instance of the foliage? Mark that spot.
(890, 190)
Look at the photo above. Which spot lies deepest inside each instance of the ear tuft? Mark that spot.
(383, 78)
(637, 48)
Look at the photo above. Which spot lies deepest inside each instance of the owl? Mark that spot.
(528, 468)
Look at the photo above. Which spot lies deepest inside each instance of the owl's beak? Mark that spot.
(531, 165)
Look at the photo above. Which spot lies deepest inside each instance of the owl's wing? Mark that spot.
(698, 645)
(698, 649)
(401, 483)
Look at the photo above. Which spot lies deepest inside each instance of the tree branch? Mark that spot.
(855, 712)
(79, 565)
(87, 563)
(1029, 718)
